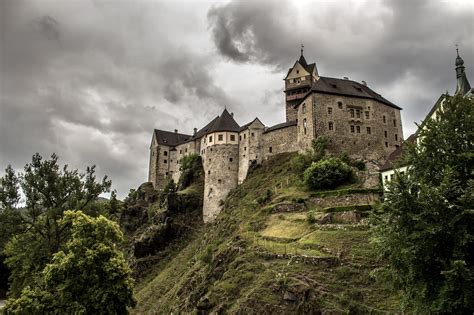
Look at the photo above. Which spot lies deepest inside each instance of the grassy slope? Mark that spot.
(221, 267)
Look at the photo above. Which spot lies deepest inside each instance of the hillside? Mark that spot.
(276, 248)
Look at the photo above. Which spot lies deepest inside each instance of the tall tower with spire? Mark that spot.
(463, 87)
(298, 82)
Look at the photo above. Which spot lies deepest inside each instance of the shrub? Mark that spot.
(191, 169)
(319, 146)
(170, 186)
(327, 173)
(358, 164)
(310, 217)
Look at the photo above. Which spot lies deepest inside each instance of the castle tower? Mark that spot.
(220, 155)
(298, 83)
(463, 85)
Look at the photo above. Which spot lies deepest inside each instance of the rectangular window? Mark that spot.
(386, 144)
(165, 161)
(352, 129)
(186, 150)
(240, 138)
(331, 126)
(396, 137)
(253, 134)
(329, 110)
(352, 112)
(245, 148)
(367, 115)
(210, 139)
(180, 151)
(384, 119)
(303, 109)
(304, 126)
(369, 131)
(385, 133)
(220, 137)
(270, 149)
(358, 129)
(386, 177)
(245, 136)
(339, 104)
(394, 122)
(165, 153)
(232, 137)
(230, 159)
(358, 113)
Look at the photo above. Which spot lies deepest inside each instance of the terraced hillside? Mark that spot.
(276, 248)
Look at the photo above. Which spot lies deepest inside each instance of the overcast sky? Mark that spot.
(90, 80)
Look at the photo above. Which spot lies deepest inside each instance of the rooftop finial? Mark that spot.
(302, 47)
(457, 49)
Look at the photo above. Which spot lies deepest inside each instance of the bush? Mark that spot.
(358, 164)
(191, 170)
(170, 186)
(327, 173)
(310, 217)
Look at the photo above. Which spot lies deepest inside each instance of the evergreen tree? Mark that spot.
(426, 225)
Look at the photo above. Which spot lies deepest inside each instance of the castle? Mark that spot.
(352, 116)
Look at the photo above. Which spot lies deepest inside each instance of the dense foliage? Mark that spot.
(426, 225)
(327, 173)
(33, 234)
(88, 276)
(191, 170)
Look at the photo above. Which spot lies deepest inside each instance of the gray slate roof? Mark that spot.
(280, 126)
(170, 138)
(394, 159)
(225, 122)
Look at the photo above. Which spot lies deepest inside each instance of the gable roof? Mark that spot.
(170, 138)
(249, 123)
(396, 155)
(349, 88)
(225, 122)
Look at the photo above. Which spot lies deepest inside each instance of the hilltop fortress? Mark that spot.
(352, 116)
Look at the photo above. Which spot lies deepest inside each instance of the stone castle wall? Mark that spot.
(250, 150)
(221, 168)
(279, 141)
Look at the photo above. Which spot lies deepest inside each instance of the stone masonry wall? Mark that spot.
(220, 176)
(250, 150)
(280, 141)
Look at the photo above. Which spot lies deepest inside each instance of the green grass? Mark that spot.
(219, 268)
(343, 192)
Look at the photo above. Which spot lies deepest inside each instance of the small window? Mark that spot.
(391, 177)
(186, 150)
(386, 177)
(386, 144)
(368, 107)
(208, 172)
(152, 153)
(220, 137)
(331, 125)
(367, 115)
(384, 119)
(396, 137)
(232, 137)
(297, 71)
(369, 131)
(253, 134)
(358, 113)
(303, 109)
(165, 153)
(230, 159)
(209, 160)
(245, 136)
(352, 112)
(240, 138)
(165, 161)
(245, 148)
(171, 161)
(339, 104)
(180, 151)
(352, 129)
(270, 149)
(304, 126)
(358, 129)
(210, 139)
(402, 173)
(394, 122)
(329, 110)
(385, 133)
(219, 181)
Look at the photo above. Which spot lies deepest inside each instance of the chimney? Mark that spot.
(176, 131)
(195, 131)
(346, 78)
(364, 83)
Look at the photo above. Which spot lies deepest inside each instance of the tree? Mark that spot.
(425, 228)
(327, 173)
(88, 276)
(49, 190)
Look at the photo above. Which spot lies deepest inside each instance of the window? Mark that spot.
(208, 172)
(331, 125)
(339, 104)
(396, 137)
(253, 134)
(232, 137)
(394, 122)
(304, 126)
(391, 177)
(165, 161)
(220, 137)
(209, 160)
(245, 148)
(358, 129)
(386, 177)
(180, 151)
(165, 153)
(329, 110)
(358, 113)
(219, 181)
(240, 138)
(385, 133)
(386, 144)
(171, 161)
(210, 139)
(303, 109)
(369, 131)
(352, 129)
(352, 112)
(230, 160)
(270, 149)
(367, 115)
(245, 136)
(368, 107)
(186, 150)
(384, 119)
(152, 153)
(297, 71)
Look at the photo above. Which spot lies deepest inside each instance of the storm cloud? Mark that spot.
(89, 80)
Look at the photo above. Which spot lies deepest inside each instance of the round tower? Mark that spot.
(220, 154)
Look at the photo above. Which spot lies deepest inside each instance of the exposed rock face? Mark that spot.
(289, 207)
(135, 212)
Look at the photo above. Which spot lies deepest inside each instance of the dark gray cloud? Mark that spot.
(89, 80)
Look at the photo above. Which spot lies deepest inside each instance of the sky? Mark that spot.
(90, 80)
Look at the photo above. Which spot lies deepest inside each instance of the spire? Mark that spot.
(302, 47)
(302, 61)
(463, 85)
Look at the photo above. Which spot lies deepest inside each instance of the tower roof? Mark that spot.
(225, 122)
(463, 87)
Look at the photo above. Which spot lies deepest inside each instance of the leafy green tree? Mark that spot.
(425, 228)
(191, 170)
(49, 190)
(88, 276)
(327, 173)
